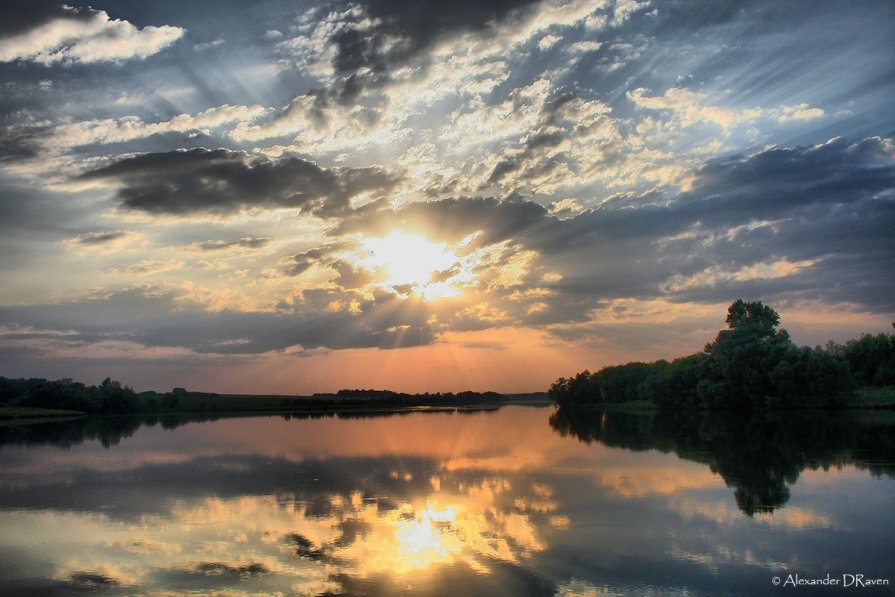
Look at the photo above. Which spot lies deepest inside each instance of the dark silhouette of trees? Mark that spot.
(751, 364)
(109, 397)
(871, 358)
(737, 371)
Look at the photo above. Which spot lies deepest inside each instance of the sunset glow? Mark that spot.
(414, 265)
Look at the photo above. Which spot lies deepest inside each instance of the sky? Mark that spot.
(297, 197)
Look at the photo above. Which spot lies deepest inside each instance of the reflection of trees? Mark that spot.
(110, 430)
(107, 430)
(758, 454)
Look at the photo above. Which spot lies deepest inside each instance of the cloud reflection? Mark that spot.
(264, 541)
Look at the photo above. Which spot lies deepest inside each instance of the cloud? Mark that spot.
(159, 318)
(148, 267)
(70, 35)
(209, 44)
(32, 139)
(119, 130)
(300, 263)
(246, 242)
(99, 238)
(550, 139)
(691, 108)
(380, 63)
(451, 220)
(395, 32)
(784, 224)
(548, 41)
(224, 181)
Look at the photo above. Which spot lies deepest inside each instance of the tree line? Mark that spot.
(753, 363)
(391, 395)
(110, 396)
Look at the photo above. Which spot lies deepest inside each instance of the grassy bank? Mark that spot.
(21, 412)
(202, 403)
(871, 397)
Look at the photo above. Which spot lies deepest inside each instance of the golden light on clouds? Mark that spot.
(412, 264)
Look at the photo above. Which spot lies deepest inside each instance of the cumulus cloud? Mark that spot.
(119, 130)
(552, 138)
(692, 107)
(69, 35)
(223, 181)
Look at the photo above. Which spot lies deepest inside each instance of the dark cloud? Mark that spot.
(157, 318)
(832, 205)
(18, 19)
(415, 26)
(775, 182)
(765, 17)
(453, 219)
(223, 181)
(304, 260)
(350, 277)
(22, 141)
(99, 238)
(388, 34)
(32, 220)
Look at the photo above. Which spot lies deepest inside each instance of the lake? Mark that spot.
(512, 501)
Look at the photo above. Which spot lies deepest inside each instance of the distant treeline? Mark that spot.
(111, 397)
(753, 363)
(436, 396)
(108, 397)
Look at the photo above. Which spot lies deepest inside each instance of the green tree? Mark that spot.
(871, 358)
(742, 356)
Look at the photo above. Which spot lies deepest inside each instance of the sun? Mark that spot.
(428, 269)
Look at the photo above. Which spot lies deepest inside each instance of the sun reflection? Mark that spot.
(428, 539)
(269, 539)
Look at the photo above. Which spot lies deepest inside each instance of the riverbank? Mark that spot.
(249, 404)
(871, 397)
(15, 413)
(867, 398)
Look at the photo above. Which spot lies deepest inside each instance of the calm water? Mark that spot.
(518, 501)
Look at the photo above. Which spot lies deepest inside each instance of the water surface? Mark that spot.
(515, 501)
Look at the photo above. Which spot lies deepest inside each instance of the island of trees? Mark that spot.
(752, 364)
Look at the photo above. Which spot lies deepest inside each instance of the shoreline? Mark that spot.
(23, 415)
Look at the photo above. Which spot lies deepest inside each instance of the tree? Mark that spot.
(742, 356)
(751, 364)
(871, 358)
